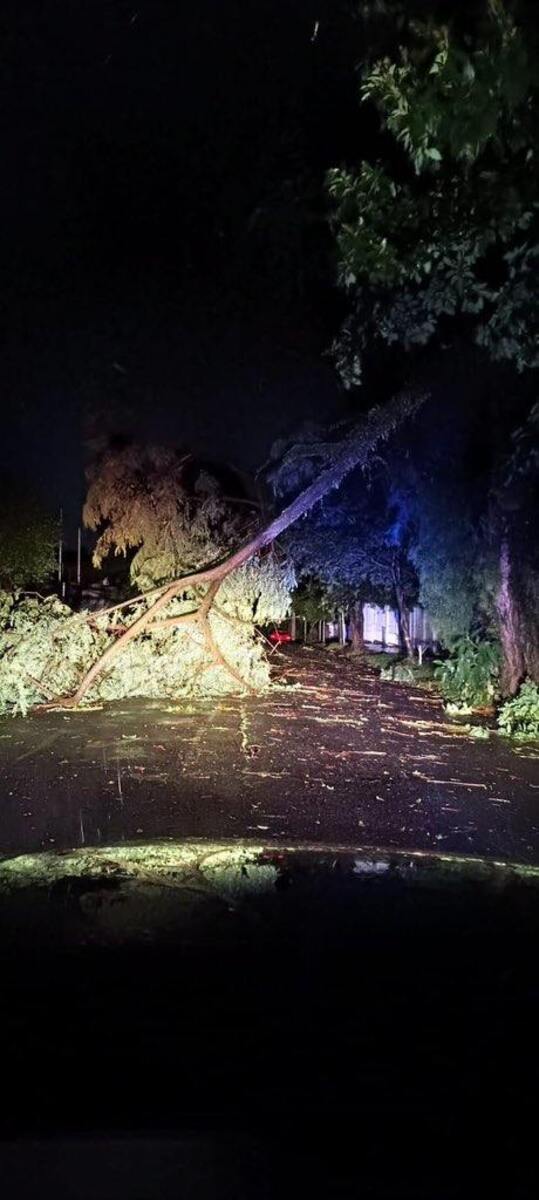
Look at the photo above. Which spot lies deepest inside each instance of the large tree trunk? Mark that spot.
(405, 636)
(357, 451)
(513, 517)
(403, 614)
(355, 618)
(510, 624)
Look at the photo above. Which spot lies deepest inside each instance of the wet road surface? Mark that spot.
(331, 755)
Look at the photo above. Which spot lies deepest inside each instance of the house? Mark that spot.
(380, 629)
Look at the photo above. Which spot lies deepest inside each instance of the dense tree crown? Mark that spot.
(169, 512)
(441, 238)
(28, 539)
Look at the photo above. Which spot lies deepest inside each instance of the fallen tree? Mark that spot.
(202, 600)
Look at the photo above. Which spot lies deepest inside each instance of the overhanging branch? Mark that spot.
(355, 452)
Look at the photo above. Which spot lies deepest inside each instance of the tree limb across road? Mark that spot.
(344, 457)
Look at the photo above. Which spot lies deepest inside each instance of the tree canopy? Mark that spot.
(439, 239)
(353, 547)
(166, 510)
(28, 538)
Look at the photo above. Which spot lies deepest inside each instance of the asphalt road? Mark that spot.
(331, 755)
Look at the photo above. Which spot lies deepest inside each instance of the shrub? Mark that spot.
(398, 673)
(519, 717)
(468, 679)
(480, 732)
(379, 659)
(28, 541)
(407, 672)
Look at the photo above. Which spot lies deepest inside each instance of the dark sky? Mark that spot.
(164, 244)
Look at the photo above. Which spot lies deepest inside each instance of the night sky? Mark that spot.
(166, 260)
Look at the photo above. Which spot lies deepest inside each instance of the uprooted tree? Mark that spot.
(194, 626)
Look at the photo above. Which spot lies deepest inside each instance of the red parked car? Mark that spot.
(280, 635)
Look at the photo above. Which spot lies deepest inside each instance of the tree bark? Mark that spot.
(342, 628)
(356, 627)
(357, 450)
(405, 636)
(512, 642)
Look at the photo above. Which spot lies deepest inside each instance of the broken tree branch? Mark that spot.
(356, 452)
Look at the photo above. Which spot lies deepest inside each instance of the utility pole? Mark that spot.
(61, 548)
